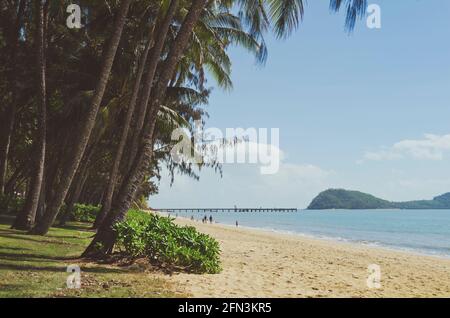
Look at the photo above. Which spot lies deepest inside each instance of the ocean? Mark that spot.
(419, 231)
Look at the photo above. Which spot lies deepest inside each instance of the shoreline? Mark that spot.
(262, 263)
(330, 239)
(342, 241)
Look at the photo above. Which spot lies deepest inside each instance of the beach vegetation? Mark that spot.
(84, 213)
(163, 242)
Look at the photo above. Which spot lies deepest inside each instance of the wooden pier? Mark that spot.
(215, 210)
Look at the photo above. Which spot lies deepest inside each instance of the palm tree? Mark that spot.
(105, 237)
(25, 220)
(70, 168)
(161, 36)
(151, 69)
(9, 114)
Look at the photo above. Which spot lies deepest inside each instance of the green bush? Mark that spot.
(163, 242)
(84, 213)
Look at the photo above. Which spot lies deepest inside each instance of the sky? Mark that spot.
(369, 111)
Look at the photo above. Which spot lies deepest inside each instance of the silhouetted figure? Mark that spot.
(237, 224)
(210, 219)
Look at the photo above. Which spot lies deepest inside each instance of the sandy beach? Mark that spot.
(265, 264)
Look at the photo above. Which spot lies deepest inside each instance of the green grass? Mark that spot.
(35, 266)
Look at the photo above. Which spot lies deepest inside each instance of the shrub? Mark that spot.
(84, 213)
(163, 242)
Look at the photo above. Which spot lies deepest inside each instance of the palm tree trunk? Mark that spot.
(71, 167)
(25, 220)
(17, 174)
(41, 205)
(77, 184)
(151, 69)
(148, 84)
(106, 236)
(114, 172)
(5, 144)
(10, 114)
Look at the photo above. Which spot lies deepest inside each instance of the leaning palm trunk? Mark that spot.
(77, 185)
(26, 218)
(70, 168)
(114, 172)
(148, 83)
(105, 238)
(156, 52)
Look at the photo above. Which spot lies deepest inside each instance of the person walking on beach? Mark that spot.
(210, 219)
(237, 224)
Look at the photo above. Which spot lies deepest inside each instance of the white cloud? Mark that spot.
(294, 185)
(431, 147)
(301, 173)
(382, 155)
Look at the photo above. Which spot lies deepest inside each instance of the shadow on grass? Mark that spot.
(6, 288)
(82, 227)
(31, 257)
(68, 237)
(75, 226)
(59, 269)
(15, 234)
(30, 238)
(40, 255)
(14, 248)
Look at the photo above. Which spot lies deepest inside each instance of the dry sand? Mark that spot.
(265, 264)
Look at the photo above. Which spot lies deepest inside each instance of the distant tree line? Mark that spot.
(355, 200)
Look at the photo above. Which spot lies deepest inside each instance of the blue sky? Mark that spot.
(369, 111)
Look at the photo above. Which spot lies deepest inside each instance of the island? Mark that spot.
(356, 200)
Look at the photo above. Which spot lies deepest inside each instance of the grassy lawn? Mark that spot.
(35, 266)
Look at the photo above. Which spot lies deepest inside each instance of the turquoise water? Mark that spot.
(422, 231)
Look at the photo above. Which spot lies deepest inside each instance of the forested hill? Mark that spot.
(345, 199)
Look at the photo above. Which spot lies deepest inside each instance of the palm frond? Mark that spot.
(355, 9)
(286, 16)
